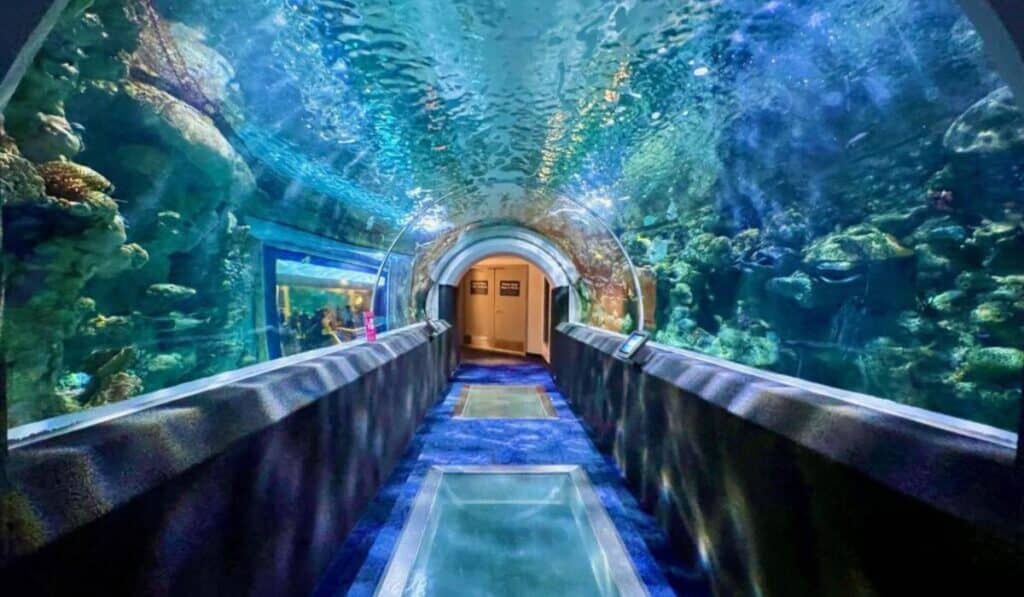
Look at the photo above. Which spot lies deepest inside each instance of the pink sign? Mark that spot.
(371, 327)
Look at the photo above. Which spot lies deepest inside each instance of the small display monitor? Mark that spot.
(432, 326)
(631, 345)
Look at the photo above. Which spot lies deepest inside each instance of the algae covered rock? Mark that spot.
(892, 370)
(948, 302)
(933, 268)
(1001, 245)
(164, 297)
(798, 287)
(109, 329)
(754, 345)
(63, 237)
(998, 320)
(975, 281)
(787, 228)
(130, 256)
(861, 261)
(992, 127)
(115, 388)
(982, 402)
(169, 362)
(186, 131)
(899, 224)
(19, 180)
(165, 369)
(914, 327)
(49, 137)
(856, 245)
(994, 364)
(707, 251)
(986, 147)
(945, 235)
(681, 294)
(745, 244)
(992, 313)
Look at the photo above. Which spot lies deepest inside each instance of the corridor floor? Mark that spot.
(444, 440)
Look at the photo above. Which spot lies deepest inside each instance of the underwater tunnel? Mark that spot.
(512, 297)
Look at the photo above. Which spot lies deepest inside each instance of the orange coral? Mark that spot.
(74, 182)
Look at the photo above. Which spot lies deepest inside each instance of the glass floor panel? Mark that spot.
(509, 530)
(504, 402)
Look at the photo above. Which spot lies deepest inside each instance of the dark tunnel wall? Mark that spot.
(272, 494)
(448, 303)
(712, 454)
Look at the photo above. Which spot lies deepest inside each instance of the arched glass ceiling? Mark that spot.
(641, 111)
(514, 112)
(826, 188)
(383, 105)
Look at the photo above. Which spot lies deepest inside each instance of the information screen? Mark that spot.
(632, 344)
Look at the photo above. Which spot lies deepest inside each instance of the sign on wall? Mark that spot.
(371, 326)
(478, 286)
(508, 288)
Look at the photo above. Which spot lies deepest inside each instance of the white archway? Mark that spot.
(503, 240)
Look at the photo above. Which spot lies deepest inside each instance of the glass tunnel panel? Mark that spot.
(604, 284)
(830, 190)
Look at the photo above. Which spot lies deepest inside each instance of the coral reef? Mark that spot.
(125, 261)
(61, 242)
(923, 304)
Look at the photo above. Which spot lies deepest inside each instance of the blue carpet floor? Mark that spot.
(360, 563)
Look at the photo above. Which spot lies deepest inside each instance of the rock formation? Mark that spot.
(124, 259)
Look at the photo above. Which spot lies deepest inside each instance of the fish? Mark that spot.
(856, 139)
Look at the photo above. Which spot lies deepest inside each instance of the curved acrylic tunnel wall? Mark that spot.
(572, 245)
(830, 190)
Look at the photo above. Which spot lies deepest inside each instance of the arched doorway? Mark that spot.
(539, 290)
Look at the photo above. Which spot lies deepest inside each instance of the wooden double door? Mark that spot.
(494, 308)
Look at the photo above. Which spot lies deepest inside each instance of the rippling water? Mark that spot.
(410, 100)
(386, 104)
